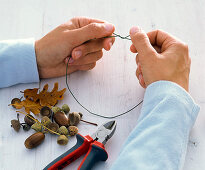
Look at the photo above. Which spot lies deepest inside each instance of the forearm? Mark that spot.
(160, 138)
(17, 62)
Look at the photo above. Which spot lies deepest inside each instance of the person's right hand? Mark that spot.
(160, 57)
(81, 37)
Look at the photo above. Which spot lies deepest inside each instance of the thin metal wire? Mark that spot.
(99, 115)
(117, 35)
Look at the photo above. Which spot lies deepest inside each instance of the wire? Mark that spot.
(99, 115)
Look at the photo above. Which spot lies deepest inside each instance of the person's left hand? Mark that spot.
(81, 38)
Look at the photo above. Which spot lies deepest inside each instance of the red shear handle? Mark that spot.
(95, 154)
(81, 147)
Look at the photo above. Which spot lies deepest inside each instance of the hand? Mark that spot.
(82, 38)
(160, 57)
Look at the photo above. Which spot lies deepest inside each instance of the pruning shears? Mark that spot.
(92, 145)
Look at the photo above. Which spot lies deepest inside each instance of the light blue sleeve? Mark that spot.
(159, 141)
(17, 62)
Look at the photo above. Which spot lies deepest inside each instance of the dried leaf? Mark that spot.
(32, 106)
(29, 105)
(31, 94)
(34, 102)
(44, 97)
(50, 98)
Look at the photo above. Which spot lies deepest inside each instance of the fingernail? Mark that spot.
(108, 27)
(134, 30)
(77, 54)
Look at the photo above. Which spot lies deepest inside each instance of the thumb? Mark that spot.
(141, 41)
(92, 31)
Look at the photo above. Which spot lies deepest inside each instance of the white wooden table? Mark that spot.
(111, 87)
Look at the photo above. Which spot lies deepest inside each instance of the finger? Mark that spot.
(133, 49)
(141, 41)
(69, 59)
(108, 42)
(61, 70)
(138, 73)
(158, 49)
(139, 67)
(87, 67)
(141, 81)
(90, 58)
(83, 21)
(91, 31)
(161, 39)
(137, 59)
(86, 48)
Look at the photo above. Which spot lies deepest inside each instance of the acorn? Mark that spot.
(37, 127)
(66, 108)
(61, 119)
(34, 140)
(53, 126)
(45, 121)
(63, 130)
(28, 120)
(62, 140)
(14, 101)
(56, 109)
(26, 127)
(74, 118)
(15, 124)
(73, 130)
(46, 111)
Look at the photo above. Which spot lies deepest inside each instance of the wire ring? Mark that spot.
(99, 115)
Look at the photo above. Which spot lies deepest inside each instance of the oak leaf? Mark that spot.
(44, 97)
(31, 94)
(51, 98)
(29, 105)
(34, 101)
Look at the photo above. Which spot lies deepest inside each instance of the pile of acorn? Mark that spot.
(55, 121)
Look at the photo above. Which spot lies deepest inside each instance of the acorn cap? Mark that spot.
(74, 118)
(15, 124)
(14, 101)
(56, 109)
(63, 130)
(46, 111)
(37, 127)
(45, 121)
(26, 127)
(73, 130)
(53, 126)
(66, 108)
(28, 120)
(62, 140)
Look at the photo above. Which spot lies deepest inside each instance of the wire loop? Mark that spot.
(99, 115)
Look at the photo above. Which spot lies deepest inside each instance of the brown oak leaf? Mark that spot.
(51, 98)
(44, 97)
(29, 105)
(31, 94)
(34, 101)
(32, 106)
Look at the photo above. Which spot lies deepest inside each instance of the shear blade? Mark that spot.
(105, 132)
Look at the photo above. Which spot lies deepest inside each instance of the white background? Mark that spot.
(112, 86)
